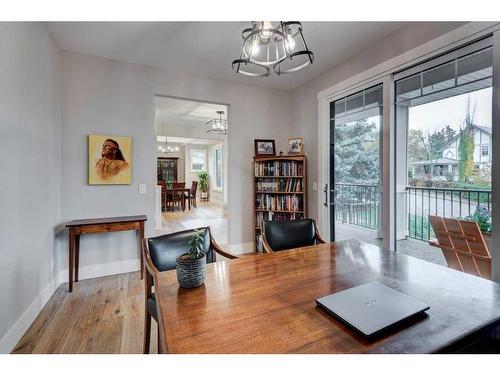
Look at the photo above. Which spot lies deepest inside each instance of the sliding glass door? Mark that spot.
(443, 145)
(355, 169)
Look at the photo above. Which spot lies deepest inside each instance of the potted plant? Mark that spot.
(203, 181)
(482, 216)
(191, 266)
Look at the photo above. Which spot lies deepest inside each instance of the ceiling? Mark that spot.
(208, 48)
(171, 111)
(187, 141)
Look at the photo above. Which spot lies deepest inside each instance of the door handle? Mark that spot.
(325, 190)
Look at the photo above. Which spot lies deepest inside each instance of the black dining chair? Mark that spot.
(284, 235)
(160, 254)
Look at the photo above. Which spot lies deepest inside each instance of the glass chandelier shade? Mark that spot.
(281, 49)
(218, 124)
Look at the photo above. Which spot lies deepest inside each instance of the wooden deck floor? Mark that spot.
(415, 248)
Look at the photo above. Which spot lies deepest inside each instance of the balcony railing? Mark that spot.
(360, 205)
(445, 202)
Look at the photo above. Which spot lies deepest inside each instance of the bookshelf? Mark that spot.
(280, 186)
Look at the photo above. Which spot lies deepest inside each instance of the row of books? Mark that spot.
(276, 216)
(288, 185)
(279, 168)
(279, 202)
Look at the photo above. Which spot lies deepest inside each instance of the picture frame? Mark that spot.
(264, 147)
(109, 160)
(295, 146)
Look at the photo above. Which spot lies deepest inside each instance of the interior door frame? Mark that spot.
(225, 155)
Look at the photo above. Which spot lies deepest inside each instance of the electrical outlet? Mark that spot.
(142, 188)
(315, 186)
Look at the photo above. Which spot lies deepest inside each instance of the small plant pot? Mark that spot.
(191, 273)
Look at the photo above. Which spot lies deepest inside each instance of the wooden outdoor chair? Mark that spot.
(462, 244)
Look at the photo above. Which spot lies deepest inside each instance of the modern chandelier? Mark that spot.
(166, 149)
(217, 125)
(281, 48)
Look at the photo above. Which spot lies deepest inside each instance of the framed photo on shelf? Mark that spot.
(295, 146)
(264, 147)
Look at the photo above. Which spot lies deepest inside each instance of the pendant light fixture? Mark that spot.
(281, 48)
(166, 149)
(218, 124)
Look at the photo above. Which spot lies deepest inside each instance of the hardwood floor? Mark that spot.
(102, 315)
(106, 314)
(207, 214)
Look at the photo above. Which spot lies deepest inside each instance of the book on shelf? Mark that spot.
(288, 185)
(284, 168)
(287, 202)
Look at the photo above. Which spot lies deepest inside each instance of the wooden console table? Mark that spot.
(100, 225)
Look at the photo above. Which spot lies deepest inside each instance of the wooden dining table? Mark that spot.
(169, 192)
(266, 304)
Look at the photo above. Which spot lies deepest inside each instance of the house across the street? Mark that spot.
(445, 168)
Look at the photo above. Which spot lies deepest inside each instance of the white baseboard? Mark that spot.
(104, 269)
(14, 334)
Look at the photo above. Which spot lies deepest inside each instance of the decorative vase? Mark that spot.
(191, 272)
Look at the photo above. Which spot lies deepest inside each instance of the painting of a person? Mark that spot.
(112, 161)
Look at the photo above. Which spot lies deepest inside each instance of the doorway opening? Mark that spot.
(191, 164)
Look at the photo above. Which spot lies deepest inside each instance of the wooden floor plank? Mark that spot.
(102, 315)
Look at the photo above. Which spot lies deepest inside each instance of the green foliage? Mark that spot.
(357, 152)
(420, 227)
(203, 180)
(466, 154)
(196, 245)
(483, 218)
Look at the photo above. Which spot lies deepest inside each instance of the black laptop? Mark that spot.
(371, 308)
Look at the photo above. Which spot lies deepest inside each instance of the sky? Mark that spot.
(451, 111)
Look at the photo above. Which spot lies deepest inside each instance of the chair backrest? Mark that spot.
(284, 235)
(178, 189)
(194, 186)
(165, 249)
(462, 244)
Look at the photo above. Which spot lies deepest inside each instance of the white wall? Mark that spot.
(30, 143)
(304, 107)
(105, 96)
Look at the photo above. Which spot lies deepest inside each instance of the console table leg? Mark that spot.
(71, 256)
(77, 255)
(141, 236)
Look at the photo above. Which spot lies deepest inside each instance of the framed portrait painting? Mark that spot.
(264, 147)
(110, 160)
(296, 146)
